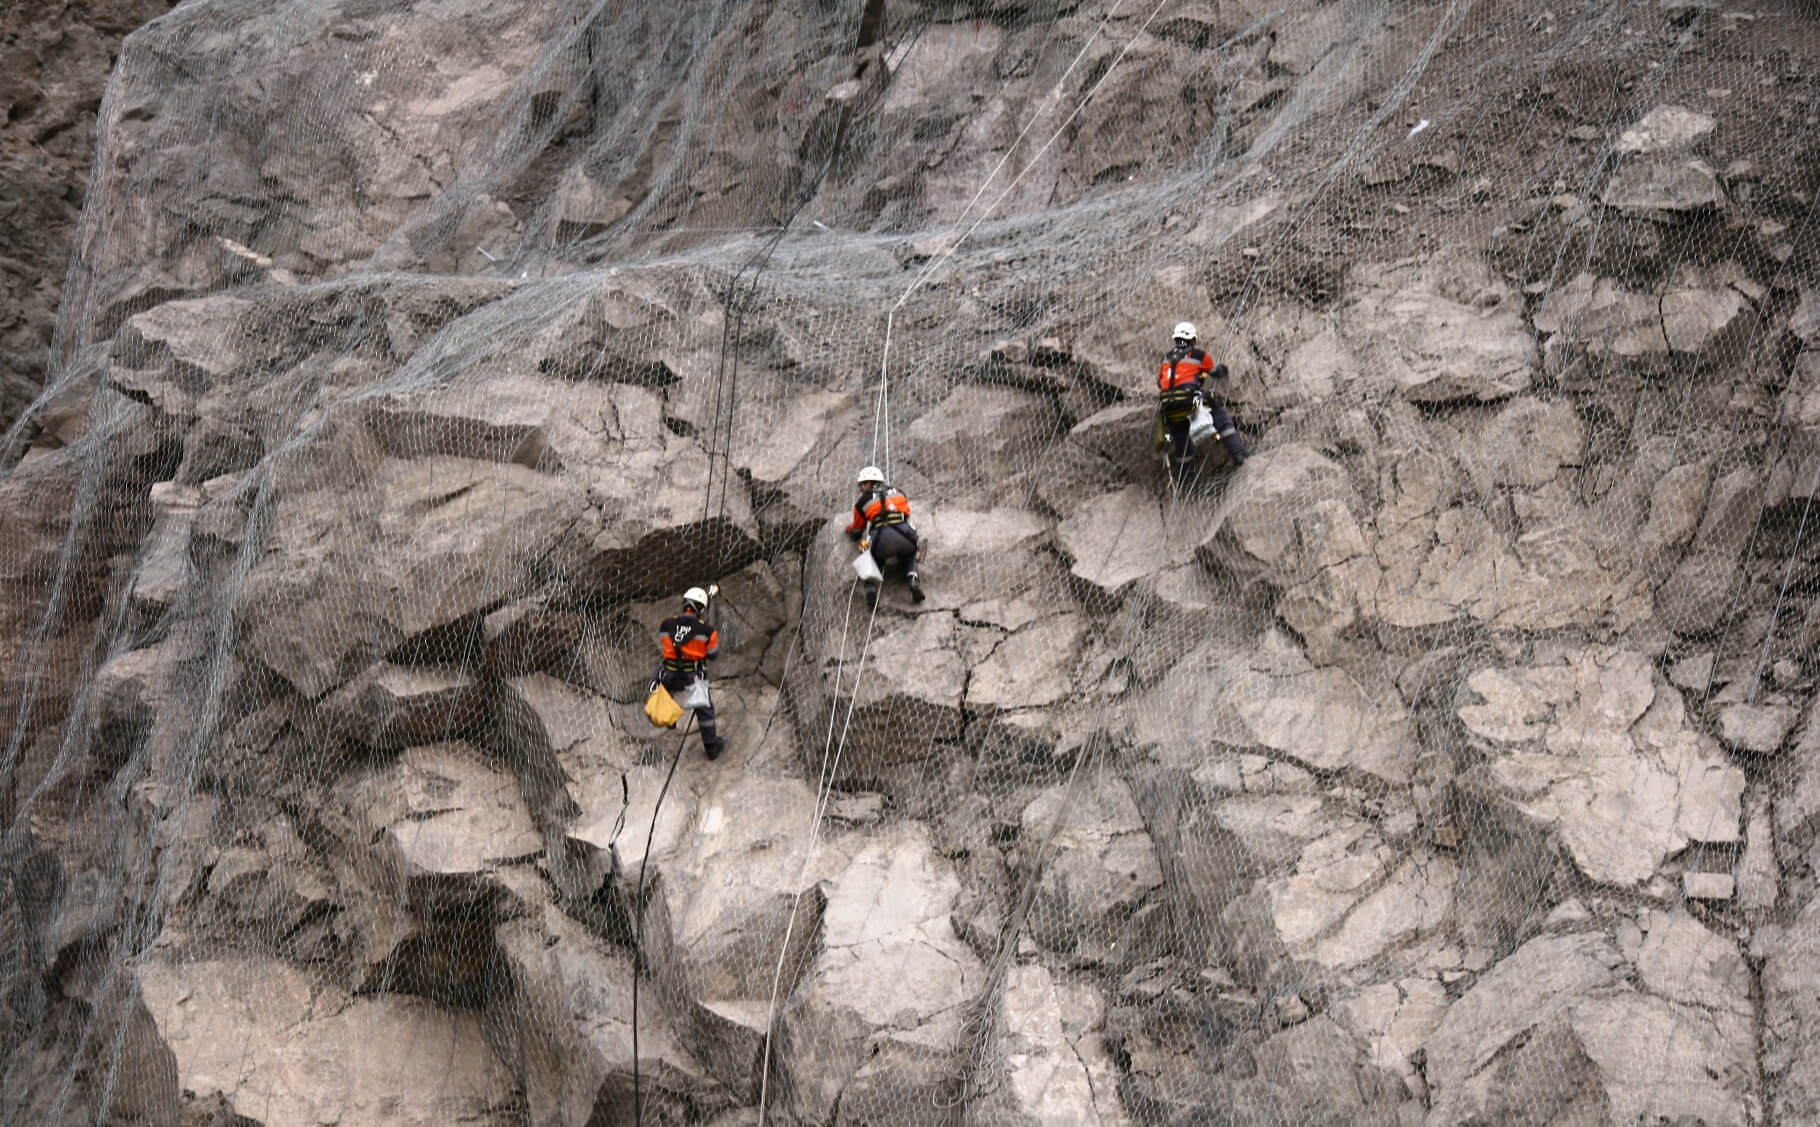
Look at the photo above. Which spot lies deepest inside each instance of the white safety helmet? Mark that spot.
(1184, 330)
(871, 473)
(696, 597)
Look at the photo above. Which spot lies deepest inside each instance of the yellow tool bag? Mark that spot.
(662, 708)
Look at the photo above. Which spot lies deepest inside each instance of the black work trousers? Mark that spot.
(895, 544)
(1181, 447)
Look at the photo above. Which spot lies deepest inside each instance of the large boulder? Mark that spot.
(528, 478)
(1030, 668)
(1804, 322)
(1525, 444)
(1313, 1072)
(1658, 174)
(1556, 1029)
(1593, 745)
(1058, 1071)
(1596, 325)
(1676, 501)
(527, 418)
(1274, 700)
(885, 690)
(1791, 1014)
(173, 354)
(1759, 728)
(287, 1050)
(973, 557)
(888, 697)
(879, 1020)
(929, 81)
(1319, 717)
(1798, 803)
(560, 1010)
(1669, 184)
(1448, 331)
(269, 883)
(979, 436)
(1294, 519)
(655, 500)
(1707, 322)
(586, 731)
(440, 810)
(1205, 863)
(389, 706)
(1097, 865)
(1440, 556)
(1352, 896)
(733, 914)
(1114, 539)
(1123, 434)
(353, 571)
(780, 440)
(166, 569)
(132, 690)
(1663, 129)
(407, 132)
(1395, 1019)
(1691, 600)
(1801, 400)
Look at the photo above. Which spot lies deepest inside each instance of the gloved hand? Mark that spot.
(1219, 371)
(853, 534)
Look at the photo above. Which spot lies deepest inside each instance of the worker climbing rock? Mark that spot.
(688, 642)
(1182, 386)
(881, 524)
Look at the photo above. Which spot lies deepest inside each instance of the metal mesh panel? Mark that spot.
(1427, 768)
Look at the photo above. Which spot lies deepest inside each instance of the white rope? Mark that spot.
(824, 792)
(881, 456)
(884, 362)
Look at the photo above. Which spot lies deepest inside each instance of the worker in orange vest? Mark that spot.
(688, 642)
(881, 524)
(1181, 384)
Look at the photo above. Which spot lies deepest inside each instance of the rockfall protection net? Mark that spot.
(1438, 765)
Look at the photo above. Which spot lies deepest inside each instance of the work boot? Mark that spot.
(712, 747)
(916, 589)
(872, 594)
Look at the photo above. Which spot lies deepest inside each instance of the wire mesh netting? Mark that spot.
(1450, 760)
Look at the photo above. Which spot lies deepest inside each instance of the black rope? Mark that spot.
(735, 309)
(638, 917)
(733, 321)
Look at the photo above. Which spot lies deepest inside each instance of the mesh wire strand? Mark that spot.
(415, 357)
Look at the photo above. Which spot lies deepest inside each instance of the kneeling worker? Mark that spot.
(881, 524)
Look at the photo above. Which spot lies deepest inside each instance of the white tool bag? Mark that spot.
(867, 567)
(1200, 424)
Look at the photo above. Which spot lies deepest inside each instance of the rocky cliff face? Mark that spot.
(54, 61)
(1453, 761)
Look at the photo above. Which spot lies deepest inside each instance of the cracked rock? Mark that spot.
(1592, 746)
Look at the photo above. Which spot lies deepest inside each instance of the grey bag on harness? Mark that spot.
(1200, 424)
(695, 696)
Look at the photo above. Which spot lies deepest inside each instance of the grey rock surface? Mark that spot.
(1454, 760)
